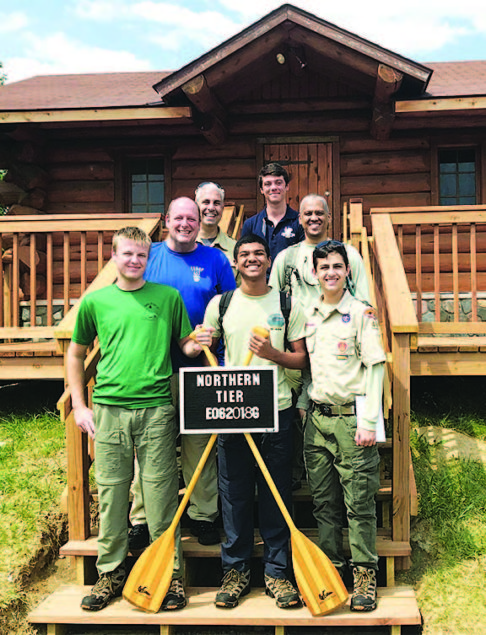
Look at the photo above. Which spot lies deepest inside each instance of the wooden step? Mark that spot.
(35, 367)
(397, 606)
(386, 547)
(85, 550)
(29, 349)
(440, 344)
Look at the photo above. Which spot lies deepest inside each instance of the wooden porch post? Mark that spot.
(401, 441)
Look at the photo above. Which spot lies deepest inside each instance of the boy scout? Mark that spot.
(132, 406)
(347, 361)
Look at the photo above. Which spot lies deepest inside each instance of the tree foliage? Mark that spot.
(3, 77)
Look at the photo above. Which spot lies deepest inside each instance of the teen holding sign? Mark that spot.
(255, 303)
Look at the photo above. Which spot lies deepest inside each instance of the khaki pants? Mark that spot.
(340, 471)
(151, 432)
(203, 504)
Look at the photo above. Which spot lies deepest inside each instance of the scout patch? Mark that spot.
(371, 313)
(276, 320)
(342, 349)
(288, 232)
(346, 318)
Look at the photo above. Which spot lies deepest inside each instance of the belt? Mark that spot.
(327, 410)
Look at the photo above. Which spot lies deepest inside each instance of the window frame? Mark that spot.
(435, 170)
(123, 189)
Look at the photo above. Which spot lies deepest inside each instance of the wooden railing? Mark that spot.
(232, 220)
(50, 261)
(443, 254)
(430, 275)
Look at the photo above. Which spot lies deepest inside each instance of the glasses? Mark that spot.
(216, 185)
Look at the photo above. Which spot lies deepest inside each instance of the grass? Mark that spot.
(449, 534)
(448, 537)
(32, 478)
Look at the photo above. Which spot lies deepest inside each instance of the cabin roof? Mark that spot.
(456, 79)
(94, 90)
(112, 90)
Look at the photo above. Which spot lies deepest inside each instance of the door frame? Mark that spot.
(336, 170)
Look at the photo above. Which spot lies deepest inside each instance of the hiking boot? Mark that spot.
(364, 592)
(235, 585)
(175, 597)
(206, 532)
(109, 586)
(138, 537)
(284, 592)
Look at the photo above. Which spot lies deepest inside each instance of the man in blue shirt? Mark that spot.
(277, 223)
(199, 273)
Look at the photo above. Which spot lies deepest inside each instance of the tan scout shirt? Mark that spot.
(292, 271)
(224, 243)
(344, 347)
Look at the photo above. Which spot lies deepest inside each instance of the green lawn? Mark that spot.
(32, 478)
(449, 534)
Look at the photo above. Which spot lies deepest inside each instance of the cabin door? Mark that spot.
(309, 166)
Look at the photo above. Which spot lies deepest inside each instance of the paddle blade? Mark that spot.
(149, 580)
(319, 582)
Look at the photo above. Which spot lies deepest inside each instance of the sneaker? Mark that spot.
(175, 597)
(364, 592)
(109, 586)
(138, 537)
(235, 585)
(284, 592)
(206, 532)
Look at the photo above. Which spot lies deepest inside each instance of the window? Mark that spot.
(457, 176)
(146, 182)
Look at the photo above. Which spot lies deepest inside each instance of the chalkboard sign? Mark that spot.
(239, 399)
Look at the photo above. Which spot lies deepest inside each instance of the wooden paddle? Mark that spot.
(319, 583)
(149, 580)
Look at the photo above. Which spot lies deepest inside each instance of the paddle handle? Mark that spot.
(257, 330)
(210, 357)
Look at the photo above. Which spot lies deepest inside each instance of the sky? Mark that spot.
(46, 37)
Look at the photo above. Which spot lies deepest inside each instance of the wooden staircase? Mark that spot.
(397, 606)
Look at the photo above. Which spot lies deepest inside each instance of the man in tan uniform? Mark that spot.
(347, 365)
(210, 200)
(292, 272)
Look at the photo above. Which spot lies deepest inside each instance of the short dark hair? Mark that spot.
(327, 247)
(273, 169)
(250, 238)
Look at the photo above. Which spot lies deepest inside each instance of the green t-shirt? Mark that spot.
(134, 329)
(243, 313)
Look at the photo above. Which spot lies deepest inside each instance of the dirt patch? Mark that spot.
(452, 444)
(40, 576)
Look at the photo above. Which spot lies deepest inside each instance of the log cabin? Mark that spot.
(397, 147)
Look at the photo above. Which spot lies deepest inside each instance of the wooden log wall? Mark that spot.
(392, 173)
(82, 180)
(232, 165)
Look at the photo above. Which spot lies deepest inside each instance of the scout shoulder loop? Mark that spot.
(285, 307)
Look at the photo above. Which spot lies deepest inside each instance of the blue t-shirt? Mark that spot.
(198, 276)
(288, 230)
